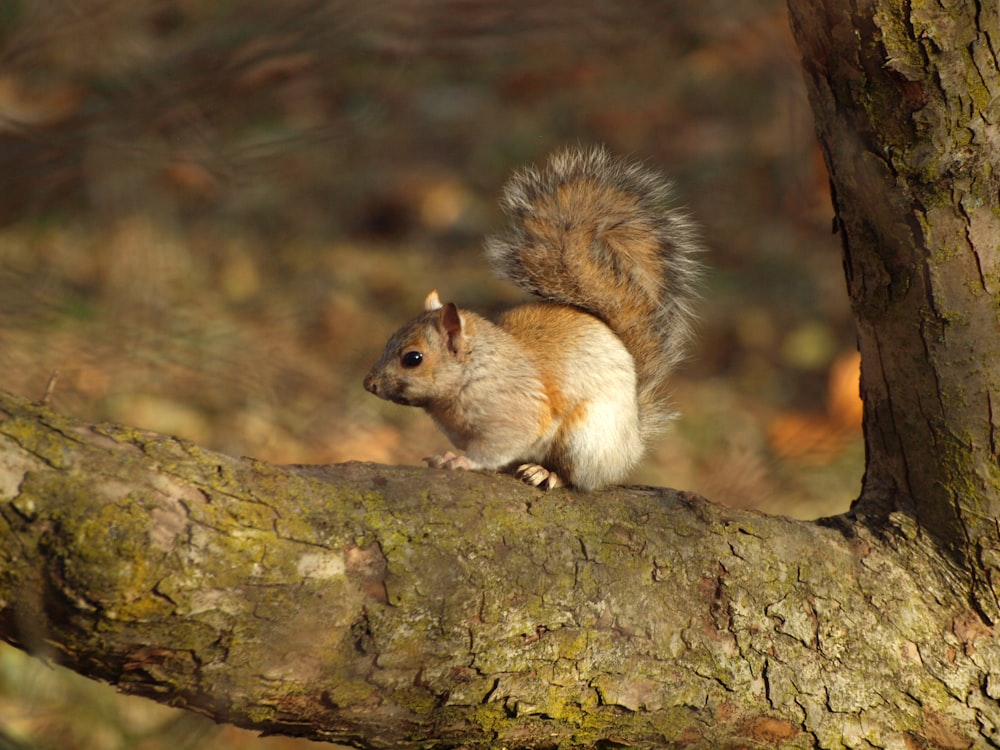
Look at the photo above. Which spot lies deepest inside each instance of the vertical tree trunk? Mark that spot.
(907, 104)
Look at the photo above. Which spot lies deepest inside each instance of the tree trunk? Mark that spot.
(387, 607)
(907, 104)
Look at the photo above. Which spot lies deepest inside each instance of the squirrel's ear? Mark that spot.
(432, 301)
(451, 322)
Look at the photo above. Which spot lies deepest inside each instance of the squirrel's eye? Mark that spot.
(412, 359)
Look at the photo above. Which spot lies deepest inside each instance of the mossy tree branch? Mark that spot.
(392, 607)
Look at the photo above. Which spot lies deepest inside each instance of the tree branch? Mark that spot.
(399, 607)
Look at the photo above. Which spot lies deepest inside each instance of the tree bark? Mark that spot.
(388, 607)
(907, 104)
(391, 607)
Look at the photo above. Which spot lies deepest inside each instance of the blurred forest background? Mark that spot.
(213, 214)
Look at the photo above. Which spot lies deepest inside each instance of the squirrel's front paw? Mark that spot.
(539, 476)
(448, 460)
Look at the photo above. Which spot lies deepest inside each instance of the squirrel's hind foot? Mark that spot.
(539, 476)
(533, 474)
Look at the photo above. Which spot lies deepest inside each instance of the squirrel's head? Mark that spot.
(422, 360)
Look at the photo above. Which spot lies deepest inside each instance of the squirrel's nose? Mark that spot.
(370, 385)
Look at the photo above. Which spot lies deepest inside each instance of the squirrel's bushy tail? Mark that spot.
(597, 232)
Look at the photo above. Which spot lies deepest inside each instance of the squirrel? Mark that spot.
(570, 389)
